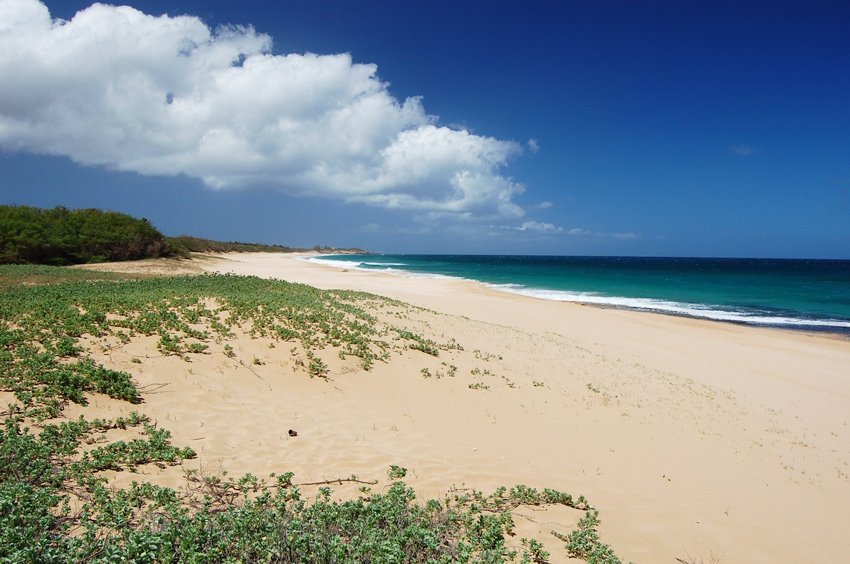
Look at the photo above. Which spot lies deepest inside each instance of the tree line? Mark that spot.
(61, 236)
(182, 245)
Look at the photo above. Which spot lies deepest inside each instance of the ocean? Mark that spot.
(793, 294)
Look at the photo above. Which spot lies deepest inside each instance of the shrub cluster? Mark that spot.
(183, 245)
(60, 236)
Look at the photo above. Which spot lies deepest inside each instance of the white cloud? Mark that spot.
(539, 227)
(579, 232)
(544, 205)
(533, 145)
(165, 95)
(623, 236)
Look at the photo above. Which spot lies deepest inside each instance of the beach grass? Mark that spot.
(55, 502)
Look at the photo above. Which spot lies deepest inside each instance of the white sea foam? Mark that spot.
(334, 263)
(358, 265)
(350, 263)
(717, 313)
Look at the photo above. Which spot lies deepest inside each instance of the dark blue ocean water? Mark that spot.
(799, 294)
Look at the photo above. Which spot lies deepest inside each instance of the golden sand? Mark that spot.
(696, 440)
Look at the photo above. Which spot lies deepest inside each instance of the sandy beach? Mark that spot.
(698, 441)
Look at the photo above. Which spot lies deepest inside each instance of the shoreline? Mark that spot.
(664, 306)
(630, 330)
(814, 332)
(738, 382)
(697, 440)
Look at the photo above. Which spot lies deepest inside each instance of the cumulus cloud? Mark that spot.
(544, 205)
(166, 95)
(533, 145)
(539, 227)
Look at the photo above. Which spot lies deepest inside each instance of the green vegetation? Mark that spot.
(62, 236)
(584, 542)
(36, 275)
(55, 505)
(183, 245)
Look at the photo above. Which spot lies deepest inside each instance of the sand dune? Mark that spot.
(696, 440)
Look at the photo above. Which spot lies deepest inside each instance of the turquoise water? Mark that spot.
(800, 294)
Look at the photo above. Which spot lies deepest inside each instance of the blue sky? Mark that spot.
(544, 127)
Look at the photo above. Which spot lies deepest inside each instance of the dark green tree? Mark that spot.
(61, 236)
